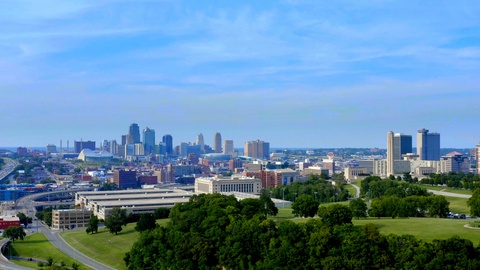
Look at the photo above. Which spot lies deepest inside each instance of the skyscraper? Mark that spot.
(201, 142)
(168, 141)
(402, 144)
(228, 147)
(428, 145)
(217, 143)
(390, 153)
(134, 133)
(148, 140)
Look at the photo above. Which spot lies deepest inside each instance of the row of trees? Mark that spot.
(317, 186)
(454, 180)
(410, 206)
(215, 231)
(375, 187)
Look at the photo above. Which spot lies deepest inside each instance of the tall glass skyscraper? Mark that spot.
(133, 134)
(148, 140)
(168, 141)
(428, 145)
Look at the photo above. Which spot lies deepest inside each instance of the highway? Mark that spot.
(8, 167)
(26, 204)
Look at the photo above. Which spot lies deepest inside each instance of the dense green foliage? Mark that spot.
(358, 208)
(24, 219)
(375, 187)
(305, 206)
(146, 222)
(411, 206)
(216, 231)
(474, 203)
(116, 219)
(14, 233)
(454, 180)
(92, 226)
(45, 215)
(317, 186)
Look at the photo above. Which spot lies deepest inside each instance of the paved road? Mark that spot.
(357, 195)
(6, 264)
(449, 194)
(26, 204)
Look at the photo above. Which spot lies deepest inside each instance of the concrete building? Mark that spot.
(228, 184)
(80, 145)
(228, 147)
(390, 156)
(201, 142)
(113, 147)
(316, 170)
(51, 148)
(217, 143)
(135, 201)
(455, 162)
(399, 167)
(428, 145)
(70, 218)
(125, 179)
(278, 177)
(402, 144)
(355, 173)
(477, 158)
(257, 149)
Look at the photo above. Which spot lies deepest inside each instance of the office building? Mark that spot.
(80, 145)
(113, 147)
(125, 179)
(51, 148)
(217, 143)
(477, 158)
(428, 145)
(148, 141)
(257, 149)
(133, 134)
(228, 147)
(70, 218)
(402, 144)
(8, 221)
(455, 162)
(168, 141)
(201, 142)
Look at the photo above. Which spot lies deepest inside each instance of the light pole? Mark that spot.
(283, 203)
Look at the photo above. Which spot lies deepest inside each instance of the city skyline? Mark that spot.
(297, 74)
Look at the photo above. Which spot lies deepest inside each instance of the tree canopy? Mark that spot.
(305, 206)
(14, 233)
(116, 219)
(474, 203)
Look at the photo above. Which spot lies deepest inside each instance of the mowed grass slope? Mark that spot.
(103, 246)
(37, 246)
(427, 229)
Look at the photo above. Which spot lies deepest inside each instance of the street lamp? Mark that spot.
(283, 203)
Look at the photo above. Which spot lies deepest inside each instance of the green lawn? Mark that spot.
(103, 246)
(425, 228)
(37, 246)
(351, 190)
(458, 205)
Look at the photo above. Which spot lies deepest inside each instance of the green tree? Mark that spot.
(268, 204)
(14, 233)
(335, 214)
(438, 206)
(47, 217)
(358, 208)
(92, 224)
(305, 206)
(116, 219)
(23, 219)
(146, 222)
(474, 203)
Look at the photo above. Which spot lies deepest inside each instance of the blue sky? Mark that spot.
(293, 73)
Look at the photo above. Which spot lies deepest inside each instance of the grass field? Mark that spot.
(351, 190)
(458, 205)
(103, 246)
(446, 189)
(37, 246)
(425, 228)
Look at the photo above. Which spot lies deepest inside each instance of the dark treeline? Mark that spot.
(216, 231)
(392, 198)
(317, 186)
(454, 180)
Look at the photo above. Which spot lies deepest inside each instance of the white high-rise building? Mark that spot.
(217, 143)
(228, 147)
(201, 142)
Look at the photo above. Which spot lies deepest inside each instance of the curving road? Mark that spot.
(449, 194)
(26, 204)
(357, 188)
